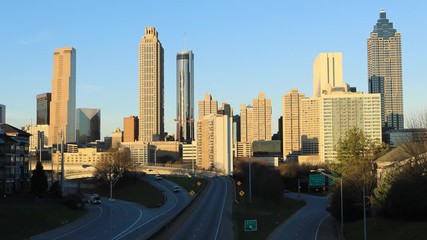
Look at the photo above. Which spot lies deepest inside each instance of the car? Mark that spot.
(176, 189)
(158, 177)
(215, 176)
(95, 199)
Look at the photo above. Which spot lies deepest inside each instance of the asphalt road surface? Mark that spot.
(121, 219)
(212, 218)
(304, 224)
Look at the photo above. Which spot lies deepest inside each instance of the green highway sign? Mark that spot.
(331, 180)
(316, 180)
(250, 225)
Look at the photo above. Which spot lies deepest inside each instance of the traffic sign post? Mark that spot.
(251, 225)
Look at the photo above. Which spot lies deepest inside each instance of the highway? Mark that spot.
(123, 220)
(212, 218)
(305, 224)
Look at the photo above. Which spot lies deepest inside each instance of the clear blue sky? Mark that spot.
(241, 48)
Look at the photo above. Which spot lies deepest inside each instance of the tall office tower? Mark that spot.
(341, 111)
(185, 96)
(327, 73)
(207, 106)
(63, 102)
(130, 129)
(214, 145)
(2, 114)
(43, 108)
(261, 118)
(291, 122)
(385, 64)
(151, 87)
(226, 109)
(309, 125)
(246, 123)
(236, 128)
(88, 125)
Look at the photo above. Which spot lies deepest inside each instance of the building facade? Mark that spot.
(116, 138)
(291, 107)
(14, 160)
(262, 118)
(43, 108)
(151, 87)
(327, 72)
(185, 96)
(309, 124)
(130, 129)
(2, 114)
(385, 62)
(341, 111)
(207, 106)
(63, 102)
(88, 125)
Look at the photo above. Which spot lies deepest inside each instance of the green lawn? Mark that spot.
(190, 184)
(133, 190)
(380, 228)
(269, 216)
(20, 220)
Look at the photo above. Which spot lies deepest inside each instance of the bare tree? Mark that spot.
(414, 142)
(113, 166)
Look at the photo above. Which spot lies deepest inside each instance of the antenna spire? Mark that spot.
(185, 41)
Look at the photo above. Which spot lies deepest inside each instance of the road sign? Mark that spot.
(199, 183)
(239, 183)
(192, 192)
(331, 180)
(241, 193)
(250, 225)
(317, 180)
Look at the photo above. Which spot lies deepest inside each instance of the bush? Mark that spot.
(74, 201)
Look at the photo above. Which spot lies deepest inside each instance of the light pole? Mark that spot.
(342, 205)
(365, 235)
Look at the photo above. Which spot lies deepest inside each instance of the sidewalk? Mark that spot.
(93, 212)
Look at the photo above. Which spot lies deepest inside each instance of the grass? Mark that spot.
(20, 220)
(269, 216)
(381, 228)
(133, 190)
(189, 184)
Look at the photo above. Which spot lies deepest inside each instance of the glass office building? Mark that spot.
(43, 108)
(185, 96)
(88, 125)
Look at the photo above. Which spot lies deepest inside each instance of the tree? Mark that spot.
(112, 168)
(39, 180)
(355, 163)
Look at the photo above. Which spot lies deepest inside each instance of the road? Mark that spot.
(306, 224)
(212, 218)
(123, 220)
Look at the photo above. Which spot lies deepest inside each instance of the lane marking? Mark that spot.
(223, 206)
(320, 223)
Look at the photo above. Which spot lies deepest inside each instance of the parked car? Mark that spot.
(158, 177)
(95, 199)
(176, 189)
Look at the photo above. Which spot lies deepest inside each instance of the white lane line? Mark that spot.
(84, 225)
(222, 211)
(320, 223)
(136, 221)
(168, 210)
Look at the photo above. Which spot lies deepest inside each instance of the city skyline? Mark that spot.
(286, 67)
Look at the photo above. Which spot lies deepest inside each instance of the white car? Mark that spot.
(95, 199)
(176, 189)
(158, 177)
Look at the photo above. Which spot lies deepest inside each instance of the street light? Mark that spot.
(342, 208)
(321, 171)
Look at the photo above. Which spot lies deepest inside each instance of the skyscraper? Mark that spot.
(185, 96)
(88, 125)
(130, 129)
(261, 118)
(291, 122)
(207, 106)
(151, 87)
(43, 108)
(385, 63)
(63, 103)
(327, 72)
(2, 113)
